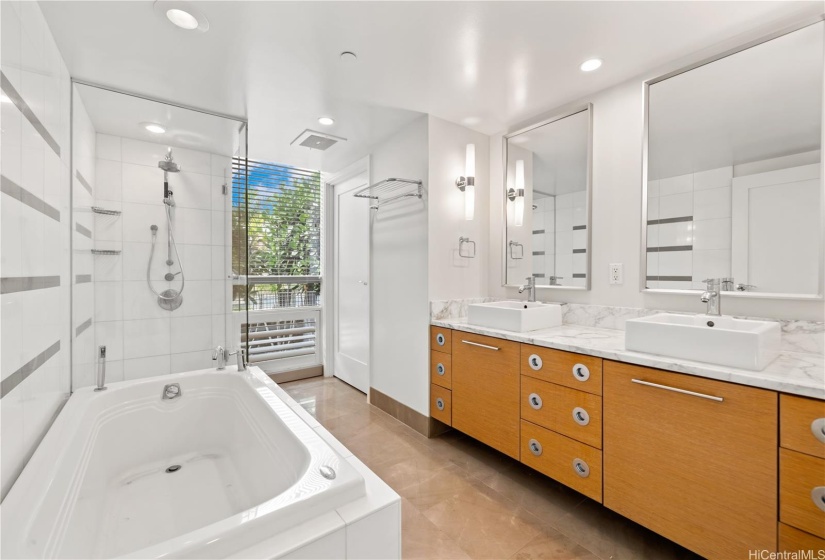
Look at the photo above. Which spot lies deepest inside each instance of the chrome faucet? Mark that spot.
(713, 296)
(219, 355)
(241, 358)
(101, 369)
(530, 287)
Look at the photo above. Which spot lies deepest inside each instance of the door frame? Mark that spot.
(328, 285)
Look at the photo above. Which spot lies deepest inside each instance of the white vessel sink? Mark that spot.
(724, 341)
(518, 316)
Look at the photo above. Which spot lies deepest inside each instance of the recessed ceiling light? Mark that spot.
(590, 65)
(182, 19)
(181, 13)
(154, 128)
(326, 121)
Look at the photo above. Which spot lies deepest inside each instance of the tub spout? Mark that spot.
(101, 369)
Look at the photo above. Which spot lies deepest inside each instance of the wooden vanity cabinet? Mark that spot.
(485, 390)
(692, 459)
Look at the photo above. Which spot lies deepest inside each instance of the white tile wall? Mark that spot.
(148, 339)
(706, 197)
(31, 243)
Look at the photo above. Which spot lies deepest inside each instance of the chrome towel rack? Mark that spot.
(389, 190)
(466, 241)
(105, 211)
(513, 246)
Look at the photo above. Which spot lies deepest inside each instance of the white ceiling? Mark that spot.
(486, 65)
(761, 103)
(120, 115)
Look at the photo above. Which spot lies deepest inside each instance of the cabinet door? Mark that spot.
(486, 390)
(693, 459)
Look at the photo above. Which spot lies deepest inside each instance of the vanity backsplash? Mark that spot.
(805, 337)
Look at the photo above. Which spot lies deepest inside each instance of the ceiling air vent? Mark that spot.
(316, 140)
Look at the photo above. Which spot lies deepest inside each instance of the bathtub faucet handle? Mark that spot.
(219, 355)
(241, 358)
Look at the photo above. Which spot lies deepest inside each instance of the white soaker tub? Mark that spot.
(98, 486)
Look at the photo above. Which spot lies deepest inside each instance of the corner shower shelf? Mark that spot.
(105, 212)
(105, 252)
(388, 190)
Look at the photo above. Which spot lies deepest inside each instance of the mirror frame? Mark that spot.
(572, 110)
(785, 30)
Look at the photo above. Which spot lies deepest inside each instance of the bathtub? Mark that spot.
(220, 469)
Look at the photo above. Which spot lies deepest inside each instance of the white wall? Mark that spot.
(452, 276)
(399, 297)
(141, 338)
(616, 218)
(35, 220)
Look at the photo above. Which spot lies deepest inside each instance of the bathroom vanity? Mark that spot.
(719, 460)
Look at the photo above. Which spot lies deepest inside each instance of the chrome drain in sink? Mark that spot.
(173, 468)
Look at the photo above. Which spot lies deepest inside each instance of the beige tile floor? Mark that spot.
(462, 499)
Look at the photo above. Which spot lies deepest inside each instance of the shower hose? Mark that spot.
(177, 256)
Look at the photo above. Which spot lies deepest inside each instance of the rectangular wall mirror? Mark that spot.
(547, 204)
(733, 164)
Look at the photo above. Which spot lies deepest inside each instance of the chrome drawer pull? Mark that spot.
(480, 345)
(675, 390)
(818, 496)
(580, 416)
(535, 362)
(581, 468)
(535, 401)
(439, 338)
(580, 372)
(818, 429)
(439, 403)
(440, 369)
(535, 447)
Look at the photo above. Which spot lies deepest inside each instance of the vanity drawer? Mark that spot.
(802, 491)
(441, 404)
(792, 539)
(573, 413)
(441, 369)
(440, 339)
(571, 462)
(802, 424)
(576, 371)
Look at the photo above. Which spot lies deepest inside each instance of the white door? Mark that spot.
(351, 329)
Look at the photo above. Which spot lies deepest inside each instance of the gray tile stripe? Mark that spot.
(83, 230)
(670, 220)
(12, 284)
(82, 278)
(670, 248)
(579, 227)
(538, 252)
(580, 275)
(83, 181)
(579, 251)
(24, 108)
(9, 187)
(535, 231)
(83, 326)
(672, 278)
(21, 374)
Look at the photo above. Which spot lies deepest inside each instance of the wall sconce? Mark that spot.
(467, 183)
(517, 195)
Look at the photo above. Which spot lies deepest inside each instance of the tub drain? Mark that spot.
(173, 468)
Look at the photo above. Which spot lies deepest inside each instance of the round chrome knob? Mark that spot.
(440, 369)
(581, 468)
(535, 447)
(535, 401)
(439, 403)
(580, 416)
(580, 372)
(439, 338)
(818, 497)
(818, 429)
(535, 362)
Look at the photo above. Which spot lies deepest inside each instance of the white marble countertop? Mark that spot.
(792, 372)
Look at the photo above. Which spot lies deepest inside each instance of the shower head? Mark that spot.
(168, 164)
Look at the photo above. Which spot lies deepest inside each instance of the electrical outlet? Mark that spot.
(616, 274)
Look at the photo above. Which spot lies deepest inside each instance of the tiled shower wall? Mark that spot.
(35, 223)
(689, 229)
(560, 239)
(141, 338)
